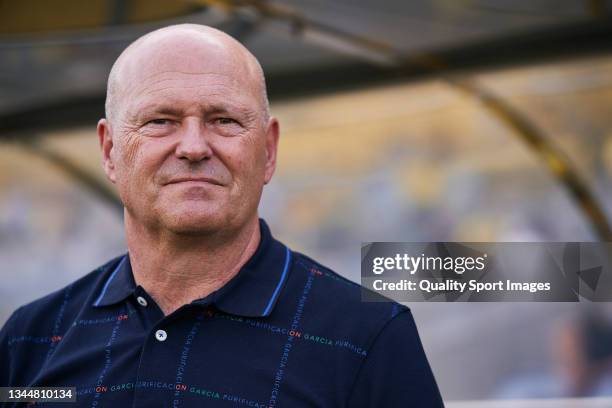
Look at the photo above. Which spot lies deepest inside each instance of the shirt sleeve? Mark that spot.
(395, 372)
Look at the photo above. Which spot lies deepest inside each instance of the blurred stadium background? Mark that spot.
(443, 120)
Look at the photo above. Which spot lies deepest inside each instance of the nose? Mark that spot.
(193, 144)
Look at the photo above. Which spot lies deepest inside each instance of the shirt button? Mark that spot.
(141, 301)
(161, 335)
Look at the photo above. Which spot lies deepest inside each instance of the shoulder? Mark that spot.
(337, 302)
(41, 313)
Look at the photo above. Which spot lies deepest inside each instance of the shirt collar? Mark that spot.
(252, 292)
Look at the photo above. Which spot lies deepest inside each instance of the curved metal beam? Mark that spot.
(557, 162)
(378, 52)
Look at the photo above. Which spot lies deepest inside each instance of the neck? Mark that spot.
(178, 269)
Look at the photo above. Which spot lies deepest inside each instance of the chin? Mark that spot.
(196, 222)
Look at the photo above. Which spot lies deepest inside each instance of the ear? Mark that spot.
(272, 134)
(106, 146)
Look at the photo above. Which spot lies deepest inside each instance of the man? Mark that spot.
(206, 308)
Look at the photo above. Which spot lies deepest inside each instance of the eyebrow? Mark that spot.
(209, 109)
(215, 109)
(135, 114)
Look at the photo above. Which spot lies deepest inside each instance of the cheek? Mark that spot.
(248, 161)
(131, 151)
(139, 161)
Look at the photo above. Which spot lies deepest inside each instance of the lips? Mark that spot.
(194, 179)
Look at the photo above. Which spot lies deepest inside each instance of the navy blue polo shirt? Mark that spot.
(284, 332)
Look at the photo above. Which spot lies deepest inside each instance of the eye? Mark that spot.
(226, 121)
(158, 122)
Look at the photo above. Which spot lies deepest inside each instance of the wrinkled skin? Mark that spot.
(187, 140)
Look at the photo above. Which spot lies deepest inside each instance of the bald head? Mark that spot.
(188, 49)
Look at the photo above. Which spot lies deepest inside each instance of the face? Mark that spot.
(190, 148)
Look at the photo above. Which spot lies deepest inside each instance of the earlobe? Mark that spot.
(106, 147)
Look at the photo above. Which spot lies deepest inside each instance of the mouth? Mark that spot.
(194, 180)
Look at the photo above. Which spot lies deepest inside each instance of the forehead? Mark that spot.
(181, 69)
(182, 91)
